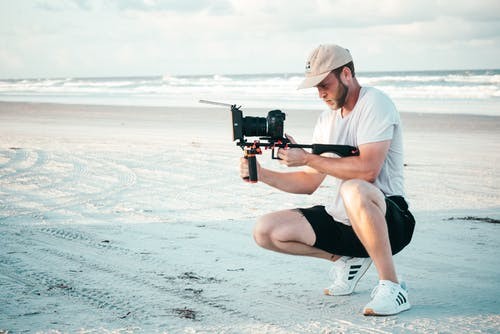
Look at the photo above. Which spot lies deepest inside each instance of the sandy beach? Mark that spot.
(134, 220)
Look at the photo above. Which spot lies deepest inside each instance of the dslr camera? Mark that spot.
(270, 127)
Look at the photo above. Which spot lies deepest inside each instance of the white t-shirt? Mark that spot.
(373, 119)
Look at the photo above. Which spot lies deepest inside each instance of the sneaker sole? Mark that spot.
(371, 312)
(362, 271)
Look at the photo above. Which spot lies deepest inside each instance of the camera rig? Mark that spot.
(269, 131)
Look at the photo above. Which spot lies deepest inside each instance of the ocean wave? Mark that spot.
(449, 80)
(442, 92)
(269, 89)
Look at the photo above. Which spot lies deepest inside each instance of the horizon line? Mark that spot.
(237, 74)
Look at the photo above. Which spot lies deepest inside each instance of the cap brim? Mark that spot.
(312, 81)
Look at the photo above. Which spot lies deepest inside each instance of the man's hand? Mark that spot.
(292, 157)
(244, 169)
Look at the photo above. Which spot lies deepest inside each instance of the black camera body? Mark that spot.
(270, 127)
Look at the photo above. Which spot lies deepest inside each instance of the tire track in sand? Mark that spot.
(77, 250)
(68, 191)
(182, 288)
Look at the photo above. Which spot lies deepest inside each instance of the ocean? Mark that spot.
(465, 92)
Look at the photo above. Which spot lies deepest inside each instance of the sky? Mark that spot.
(94, 38)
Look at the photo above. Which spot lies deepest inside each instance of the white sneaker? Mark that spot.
(388, 298)
(345, 274)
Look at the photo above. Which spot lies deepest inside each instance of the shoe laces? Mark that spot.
(338, 276)
(383, 290)
(337, 269)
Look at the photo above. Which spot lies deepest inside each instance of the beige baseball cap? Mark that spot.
(322, 61)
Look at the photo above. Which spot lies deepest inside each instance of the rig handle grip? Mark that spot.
(341, 150)
(252, 168)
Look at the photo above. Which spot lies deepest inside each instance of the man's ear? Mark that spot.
(346, 75)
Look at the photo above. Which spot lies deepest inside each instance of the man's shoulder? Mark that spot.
(373, 93)
(377, 101)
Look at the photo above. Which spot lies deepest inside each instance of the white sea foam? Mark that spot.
(267, 90)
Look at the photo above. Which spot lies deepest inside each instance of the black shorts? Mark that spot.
(339, 239)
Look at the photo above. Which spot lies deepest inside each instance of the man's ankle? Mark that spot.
(335, 257)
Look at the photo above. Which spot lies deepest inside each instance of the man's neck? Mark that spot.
(351, 99)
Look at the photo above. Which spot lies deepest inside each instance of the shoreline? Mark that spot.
(252, 111)
(250, 108)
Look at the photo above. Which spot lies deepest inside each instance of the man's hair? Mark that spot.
(349, 65)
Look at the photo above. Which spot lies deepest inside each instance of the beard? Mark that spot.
(339, 100)
(343, 96)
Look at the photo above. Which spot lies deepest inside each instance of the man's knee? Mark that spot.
(353, 192)
(263, 229)
(358, 194)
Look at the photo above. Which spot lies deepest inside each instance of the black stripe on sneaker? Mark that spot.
(353, 272)
(355, 266)
(350, 278)
(401, 299)
(402, 296)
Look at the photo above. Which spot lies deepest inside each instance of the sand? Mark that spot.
(133, 219)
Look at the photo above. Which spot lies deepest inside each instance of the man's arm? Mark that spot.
(300, 182)
(366, 166)
(293, 182)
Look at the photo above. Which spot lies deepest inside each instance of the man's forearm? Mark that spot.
(343, 168)
(292, 182)
(366, 166)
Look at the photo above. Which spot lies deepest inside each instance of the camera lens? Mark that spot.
(254, 126)
(275, 120)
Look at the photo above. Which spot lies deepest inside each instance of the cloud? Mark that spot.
(94, 37)
(62, 5)
(216, 7)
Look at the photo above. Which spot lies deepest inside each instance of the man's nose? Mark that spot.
(321, 93)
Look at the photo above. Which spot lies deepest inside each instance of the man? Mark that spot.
(368, 218)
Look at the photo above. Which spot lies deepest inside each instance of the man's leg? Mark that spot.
(365, 206)
(289, 232)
